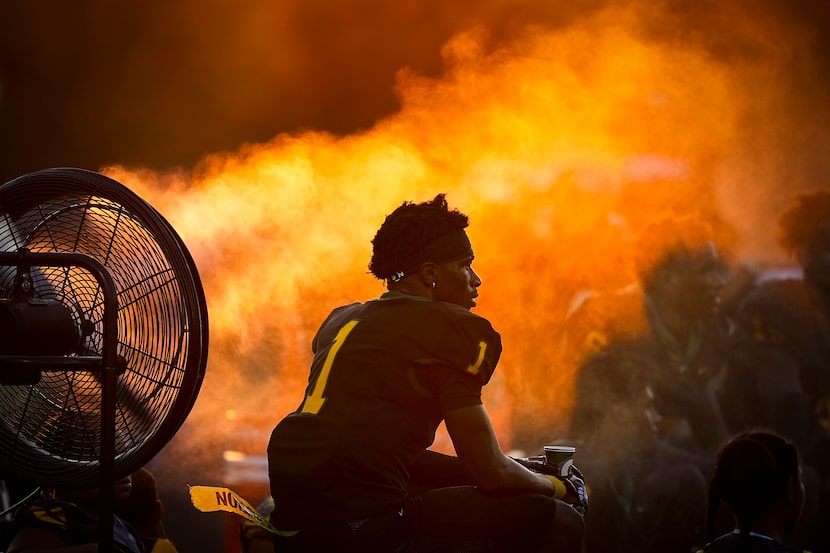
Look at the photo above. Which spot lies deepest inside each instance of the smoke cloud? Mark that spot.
(276, 137)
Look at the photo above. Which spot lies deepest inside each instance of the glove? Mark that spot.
(570, 489)
(578, 499)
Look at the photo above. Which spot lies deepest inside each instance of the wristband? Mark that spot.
(559, 488)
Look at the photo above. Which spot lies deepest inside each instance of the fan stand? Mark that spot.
(106, 364)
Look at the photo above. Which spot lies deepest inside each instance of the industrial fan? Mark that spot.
(103, 329)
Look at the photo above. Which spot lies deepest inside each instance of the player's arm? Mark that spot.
(478, 448)
(436, 470)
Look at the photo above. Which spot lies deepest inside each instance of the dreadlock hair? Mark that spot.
(752, 474)
(408, 230)
(799, 224)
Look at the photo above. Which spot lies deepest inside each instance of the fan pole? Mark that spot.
(106, 364)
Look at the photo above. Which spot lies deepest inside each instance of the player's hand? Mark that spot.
(570, 488)
(575, 483)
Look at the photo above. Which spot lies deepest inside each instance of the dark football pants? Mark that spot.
(452, 520)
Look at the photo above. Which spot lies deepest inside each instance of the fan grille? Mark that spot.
(55, 425)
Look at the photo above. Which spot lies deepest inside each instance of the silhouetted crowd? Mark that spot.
(698, 352)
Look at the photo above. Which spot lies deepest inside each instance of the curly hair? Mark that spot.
(408, 230)
(752, 473)
(799, 223)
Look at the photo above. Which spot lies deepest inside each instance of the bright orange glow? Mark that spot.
(560, 146)
(233, 456)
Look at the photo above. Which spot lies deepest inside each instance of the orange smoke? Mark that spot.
(559, 145)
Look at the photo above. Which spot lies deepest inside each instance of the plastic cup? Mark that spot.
(561, 457)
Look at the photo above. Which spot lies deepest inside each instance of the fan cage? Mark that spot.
(50, 432)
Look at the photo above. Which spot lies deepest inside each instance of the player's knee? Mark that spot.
(568, 532)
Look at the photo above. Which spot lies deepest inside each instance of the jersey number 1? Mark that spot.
(314, 402)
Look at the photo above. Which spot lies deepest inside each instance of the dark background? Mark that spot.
(160, 84)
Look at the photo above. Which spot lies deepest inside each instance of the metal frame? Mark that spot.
(106, 364)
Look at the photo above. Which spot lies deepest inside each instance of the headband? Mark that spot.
(443, 250)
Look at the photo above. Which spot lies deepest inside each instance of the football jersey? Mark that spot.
(75, 525)
(383, 374)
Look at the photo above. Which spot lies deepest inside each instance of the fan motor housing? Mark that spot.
(34, 327)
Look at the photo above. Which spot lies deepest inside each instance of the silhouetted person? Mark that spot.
(68, 521)
(779, 377)
(644, 410)
(385, 374)
(757, 477)
(143, 509)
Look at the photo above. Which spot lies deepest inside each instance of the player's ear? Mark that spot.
(428, 273)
